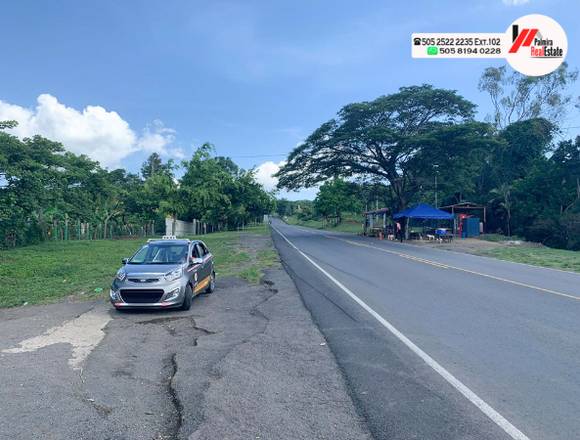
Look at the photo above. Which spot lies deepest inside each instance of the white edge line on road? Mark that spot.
(496, 417)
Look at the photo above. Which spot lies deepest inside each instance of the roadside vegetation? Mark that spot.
(48, 193)
(349, 223)
(499, 238)
(49, 271)
(538, 256)
(424, 144)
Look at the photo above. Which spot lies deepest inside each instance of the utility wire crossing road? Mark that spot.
(504, 335)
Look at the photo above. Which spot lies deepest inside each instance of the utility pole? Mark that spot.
(436, 167)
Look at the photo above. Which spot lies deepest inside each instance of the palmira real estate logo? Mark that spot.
(534, 45)
(538, 45)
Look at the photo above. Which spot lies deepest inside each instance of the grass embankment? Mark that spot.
(348, 224)
(517, 249)
(538, 256)
(52, 270)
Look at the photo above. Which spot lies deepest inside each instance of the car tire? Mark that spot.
(211, 285)
(188, 297)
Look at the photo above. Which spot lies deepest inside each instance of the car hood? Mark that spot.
(150, 269)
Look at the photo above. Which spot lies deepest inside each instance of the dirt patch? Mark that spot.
(466, 245)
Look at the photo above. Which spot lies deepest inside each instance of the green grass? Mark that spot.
(49, 271)
(264, 259)
(496, 238)
(538, 256)
(347, 225)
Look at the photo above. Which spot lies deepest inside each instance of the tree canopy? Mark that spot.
(43, 185)
(516, 97)
(376, 139)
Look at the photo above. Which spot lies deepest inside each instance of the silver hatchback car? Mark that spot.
(164, 273)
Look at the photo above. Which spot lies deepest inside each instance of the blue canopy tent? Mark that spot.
(424, 212)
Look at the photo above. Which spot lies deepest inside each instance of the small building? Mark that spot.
(465, 210)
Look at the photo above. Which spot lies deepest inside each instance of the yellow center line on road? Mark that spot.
(446, 266)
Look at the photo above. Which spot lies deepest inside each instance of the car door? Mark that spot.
(196, 268)
(204, 269)
(208, 258)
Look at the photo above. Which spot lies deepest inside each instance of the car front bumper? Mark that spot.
(161, 298)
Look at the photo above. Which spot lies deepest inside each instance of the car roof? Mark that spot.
(175, 241)
(169, 242)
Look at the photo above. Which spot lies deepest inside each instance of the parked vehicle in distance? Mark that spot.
(165, 273)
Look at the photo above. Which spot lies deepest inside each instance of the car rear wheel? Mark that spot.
(211, 285)
(187, 300)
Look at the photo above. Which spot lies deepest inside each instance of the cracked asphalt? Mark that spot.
(246, 362)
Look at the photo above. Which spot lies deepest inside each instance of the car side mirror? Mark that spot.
(195, 261)
(125, 260)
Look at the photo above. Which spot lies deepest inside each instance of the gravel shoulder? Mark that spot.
(244, 362)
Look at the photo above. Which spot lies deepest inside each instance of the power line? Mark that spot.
(259, 155)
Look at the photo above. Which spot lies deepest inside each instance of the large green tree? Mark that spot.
(456, 155)
(337, 196)
(376, 140)
(520, 148)
(516, 97)
(216, 191)
(154, 165)
(546, 201)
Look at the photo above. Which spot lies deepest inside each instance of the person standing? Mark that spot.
(399, 231)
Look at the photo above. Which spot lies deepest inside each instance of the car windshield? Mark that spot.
(160, 254)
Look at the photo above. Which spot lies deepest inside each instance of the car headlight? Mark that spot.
(173, 294)
(173, 275)
(114, 295)
(121, 275)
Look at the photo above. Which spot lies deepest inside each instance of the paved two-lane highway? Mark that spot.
(508, 333)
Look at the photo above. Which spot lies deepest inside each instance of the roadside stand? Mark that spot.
(423, 221)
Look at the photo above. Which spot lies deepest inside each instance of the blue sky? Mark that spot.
(252, 77)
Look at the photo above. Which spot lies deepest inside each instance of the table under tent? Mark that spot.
(377, 222)
(424, 221)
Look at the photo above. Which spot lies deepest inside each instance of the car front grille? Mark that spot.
(143, 280)
(141, 296)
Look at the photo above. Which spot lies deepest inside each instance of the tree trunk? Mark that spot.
(509, 213)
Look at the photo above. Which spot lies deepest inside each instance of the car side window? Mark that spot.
(202, 251)
(204, 248)
(198, 251)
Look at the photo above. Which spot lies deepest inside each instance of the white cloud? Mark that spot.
(176, 153)
(515, 2)
(100, 134)
(265, 174)
(156, 137)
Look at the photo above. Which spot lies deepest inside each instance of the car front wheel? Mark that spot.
(187, 300)
(211, 285)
